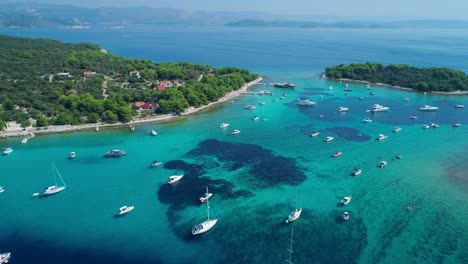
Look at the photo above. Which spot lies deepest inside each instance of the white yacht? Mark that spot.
(428, 108)
(223, 125)
(328, 139)
(459, 106)
(206, 196)
(24, 141)
(174, 178)
(345, 216)
(382, 164)
(72, 155)
(414, 117)
(1, 189)
(356, 172)
(255, 118)
(379, 108)
(55, 188)
(250, 107)
(294, 215)
(426, 126)
(304, 102)
(330, 88)
(125, 209)
(396, 129)
(205, 225)
(456, 124)
(381, 137)
(336, 154)
(7, 151)
(343, 109)
(433, 125)
(234, 132)
(5, 257)
(152, 133)
(367, 120)
(155, 163)
(314, 134)
(346, 200)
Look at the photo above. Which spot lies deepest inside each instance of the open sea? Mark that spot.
(414, 210)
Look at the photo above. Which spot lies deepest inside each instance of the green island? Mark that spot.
(420, 79)
(45, 82)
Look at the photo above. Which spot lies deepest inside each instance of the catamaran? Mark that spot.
(55, 188)
(207, 224)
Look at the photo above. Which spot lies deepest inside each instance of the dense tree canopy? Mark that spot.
(44, 79)
(421, 79)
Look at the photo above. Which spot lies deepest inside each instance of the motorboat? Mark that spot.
(282, 97)
(433, 125)
(1, 189)
(382, 164)
(234, 132)
(24, 141)
(426, 126)
(396, 129)
(304, 102)
(336, 153)
(115, 153)
(428, 108)
(406, 99)
(255, 118)
(330, 88)
(152, 133)
(328, 139)
(459, 106)
(381, 137)
(72, 155)
(261, 103)
(345, 216)
(205, 225)
(206, 196)
(294, 215)
(379, 108)
(5, 257)
(456, 124)
(356, 172)
(275, 100)
(346, 200)
(125, 209)
(343, 109)
(55, 188)
(414, 117)
(223, 125)
(361, 98)
(174, 178)
(367, 120)
(131, 128)
(155, 163)
(7, 151)
(398, 156)
(284, 85)
(314, 134)
(250, 107)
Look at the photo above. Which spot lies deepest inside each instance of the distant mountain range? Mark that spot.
(46, 15)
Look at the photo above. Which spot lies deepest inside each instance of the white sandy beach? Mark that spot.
(16, 131)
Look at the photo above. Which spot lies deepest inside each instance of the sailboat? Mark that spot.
(55, 188)
(206, 225)
(290, 249)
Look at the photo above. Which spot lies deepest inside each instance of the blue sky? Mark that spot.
(388, 9)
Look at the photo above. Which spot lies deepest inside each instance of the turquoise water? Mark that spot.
(411, 211)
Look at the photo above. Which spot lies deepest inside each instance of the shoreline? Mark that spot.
(458, 92)
(31, 131)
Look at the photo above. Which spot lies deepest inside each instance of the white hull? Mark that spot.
(125, 209)
(294, 215)
(346, 200)
(206, 197)
(24, 141)
(204, 227)
(175, 178)
(53, 190)
(5, 257)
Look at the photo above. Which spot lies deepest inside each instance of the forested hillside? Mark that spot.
(59, 83)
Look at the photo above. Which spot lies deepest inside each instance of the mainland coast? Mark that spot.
(458, 92)
(16, 131)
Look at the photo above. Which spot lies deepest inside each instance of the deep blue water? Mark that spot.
(260, 175)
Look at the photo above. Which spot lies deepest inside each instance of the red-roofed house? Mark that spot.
(139, 104)
(166, 83)
(147, 106)
(88, 73)
(161, 87)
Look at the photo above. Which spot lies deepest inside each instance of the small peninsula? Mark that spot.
(402, 76)
(46, 84)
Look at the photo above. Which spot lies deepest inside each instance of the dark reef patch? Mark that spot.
(349, 133)
(265, 168)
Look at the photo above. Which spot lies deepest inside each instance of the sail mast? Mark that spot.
(290, 249)
(208, 208)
